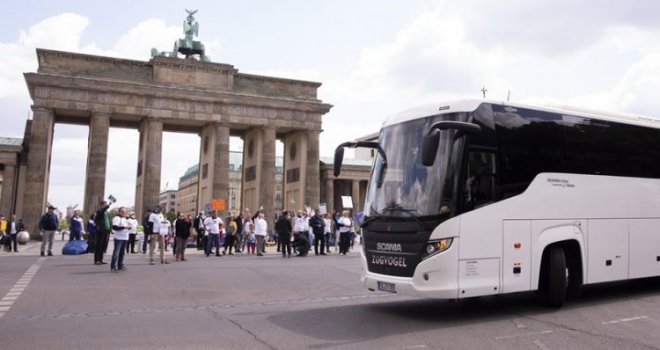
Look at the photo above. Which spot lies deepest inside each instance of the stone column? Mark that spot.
(330, 195)
(8, 190)
(38, 168)
(213, 179)
(97, 155)
(242, 203)
(149, 163)
(220, 177)
(267, 176)
(356, 195)
(312, 179)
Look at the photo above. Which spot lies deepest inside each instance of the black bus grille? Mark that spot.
(394, 254)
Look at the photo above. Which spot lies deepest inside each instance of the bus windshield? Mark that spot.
(409, 188)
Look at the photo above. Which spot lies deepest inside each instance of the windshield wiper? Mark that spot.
(395, 207)
(370, 219)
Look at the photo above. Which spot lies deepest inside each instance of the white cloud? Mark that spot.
(453, 49)
(549, 52)
(61, 32)
(148, 34)
(64, 32)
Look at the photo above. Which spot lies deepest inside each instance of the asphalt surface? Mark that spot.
(315, 302)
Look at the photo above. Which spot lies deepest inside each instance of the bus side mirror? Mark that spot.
(339, 159)
(430, 147)
(432, 139)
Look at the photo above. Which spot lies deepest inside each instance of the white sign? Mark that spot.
(323, 208)
(347, 201)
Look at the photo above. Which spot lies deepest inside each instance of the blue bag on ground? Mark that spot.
(74, 248)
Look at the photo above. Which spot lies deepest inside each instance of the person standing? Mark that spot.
(48, 224)
(212, 225)
(76, 226)
(132, 233)
(160, 228)
(335, 219)
(230, 231)
(91, 234)
(147, 229)
(260, 231)
(3, 224)
(102, 222)
(345, 229)
(182, 232)
(327, 229)
(14, 228)
(251, 238)
(317, 224)
(283, 228)
(120, 227)
(247, 221)
(238, 235)
(198, 224)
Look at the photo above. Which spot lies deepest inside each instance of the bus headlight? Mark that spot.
(435, 247)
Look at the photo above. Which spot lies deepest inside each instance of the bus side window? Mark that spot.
(480, 183)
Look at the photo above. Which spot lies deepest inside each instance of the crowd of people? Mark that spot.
(247, 233)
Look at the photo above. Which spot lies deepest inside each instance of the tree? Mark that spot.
(170, 216)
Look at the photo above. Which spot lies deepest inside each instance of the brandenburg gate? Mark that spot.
(212, 100)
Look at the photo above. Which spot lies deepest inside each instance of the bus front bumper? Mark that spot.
(434, 277)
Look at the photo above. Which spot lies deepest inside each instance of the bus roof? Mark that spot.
(470, 105)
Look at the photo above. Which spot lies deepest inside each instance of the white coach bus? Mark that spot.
(479, 197)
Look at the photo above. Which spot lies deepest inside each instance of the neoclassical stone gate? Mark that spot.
(212, 100)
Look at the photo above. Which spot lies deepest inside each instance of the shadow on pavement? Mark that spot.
(347, 324)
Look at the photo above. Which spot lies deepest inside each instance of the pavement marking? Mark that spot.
(8, 301)
(517, 322)
(215, 307)
(522, 335)
(540, 345)
(625, 320)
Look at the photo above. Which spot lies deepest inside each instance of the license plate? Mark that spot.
(387, 287)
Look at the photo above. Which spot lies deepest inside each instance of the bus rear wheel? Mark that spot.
(555, 277)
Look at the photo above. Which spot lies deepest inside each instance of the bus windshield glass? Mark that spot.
(409, 188)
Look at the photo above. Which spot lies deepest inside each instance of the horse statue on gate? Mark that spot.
(190, 48)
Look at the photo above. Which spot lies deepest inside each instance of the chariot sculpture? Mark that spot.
(188, 47)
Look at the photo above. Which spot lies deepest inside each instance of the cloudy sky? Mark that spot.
(374, 58)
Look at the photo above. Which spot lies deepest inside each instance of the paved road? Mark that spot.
(249, 302)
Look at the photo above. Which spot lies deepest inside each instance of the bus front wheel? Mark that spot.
(555, 277)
